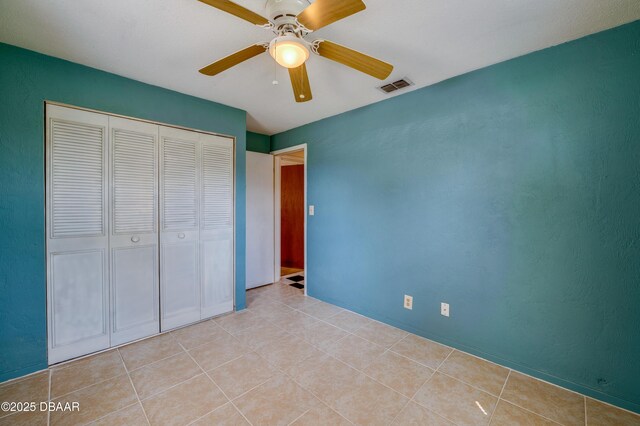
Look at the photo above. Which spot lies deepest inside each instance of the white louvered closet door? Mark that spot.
(77, 234)
(216, 225)
(134, 230)
(180, 292)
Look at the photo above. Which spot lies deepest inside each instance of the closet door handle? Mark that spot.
(135, 239)
(181, 235)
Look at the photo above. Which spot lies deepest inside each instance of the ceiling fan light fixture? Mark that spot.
(289, 51)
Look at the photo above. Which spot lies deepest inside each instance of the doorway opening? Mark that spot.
(290, 217)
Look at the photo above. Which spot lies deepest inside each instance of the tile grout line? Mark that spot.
(209, 377)
(586, 421)
(401, 410)
(153, 362)
(113, 412)
(430, 378)
(298, 418)
(429, 410)
(504, 385)
(413, 360)
(350, 366)
(134, 387)
(88, 386)
(16, 380)
(68, 363)
(466, 383)
(532, 412)
(469, 384)
(210, 412)
(443, 361)
(520, 407)
(466, 353)
(224, 363)
(437, 414)
(219, 388)
(170, 387)
(183, 381)
(320, 350)
(317, 397)
(254, 387)
(231, 360)
(607, 404)
(481, 390)
(51, 370)
(552, 384)
(230, 400)
(390, 350)
(6, 416)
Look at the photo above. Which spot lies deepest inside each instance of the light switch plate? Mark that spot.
(312, 210)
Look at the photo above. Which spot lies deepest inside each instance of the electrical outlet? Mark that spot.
(408, 302)
(444, 309)
(312, 210)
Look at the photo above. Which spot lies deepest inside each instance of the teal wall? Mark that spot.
(512, 193)
(26, 80)
(257, 142)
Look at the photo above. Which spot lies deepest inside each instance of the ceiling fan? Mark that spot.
(292, 21)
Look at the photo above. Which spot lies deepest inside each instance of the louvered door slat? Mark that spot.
(77, 179)
(217, 186)
(134, 174)
(180, 185)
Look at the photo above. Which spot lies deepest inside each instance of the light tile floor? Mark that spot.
(293, 360)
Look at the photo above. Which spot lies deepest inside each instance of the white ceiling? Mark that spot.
(165, 42)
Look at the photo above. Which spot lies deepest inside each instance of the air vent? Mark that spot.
(396, 85)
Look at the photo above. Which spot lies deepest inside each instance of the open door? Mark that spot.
(260, 220)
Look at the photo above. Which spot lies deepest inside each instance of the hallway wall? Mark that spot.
(292, 216)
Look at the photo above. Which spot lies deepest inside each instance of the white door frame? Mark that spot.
(276, 203)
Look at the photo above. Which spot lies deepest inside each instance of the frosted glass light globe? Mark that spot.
(288, 51)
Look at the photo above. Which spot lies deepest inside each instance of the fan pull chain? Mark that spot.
(275, 66)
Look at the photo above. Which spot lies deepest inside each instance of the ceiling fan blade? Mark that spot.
(324, 12)
(233, 60)
(237, 10)
(354, 59)
(300, 82)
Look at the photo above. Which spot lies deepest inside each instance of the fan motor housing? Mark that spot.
(285, 11)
